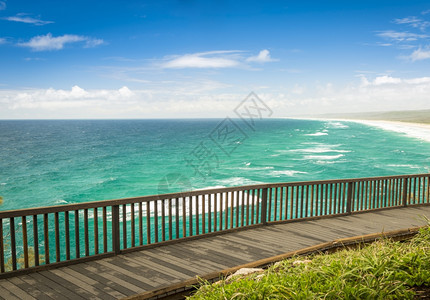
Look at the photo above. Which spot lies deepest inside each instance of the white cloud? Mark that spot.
(262, 57)
(2, 41)
(419, 54)
(24, 18)
(401, 36)
(2, 5)
(48, 42)
(425, 12)
(211, 59)
(386, 80)
(414, 22)
(214, 59)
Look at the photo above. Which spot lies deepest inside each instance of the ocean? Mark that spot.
(52, 162)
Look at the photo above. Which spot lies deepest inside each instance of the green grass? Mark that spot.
(382, 270)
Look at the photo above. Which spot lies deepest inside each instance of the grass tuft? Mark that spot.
(383, 270)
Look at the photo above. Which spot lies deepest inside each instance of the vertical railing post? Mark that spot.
(263, 212)
(115, 229)
(405, 191)
(349, 197)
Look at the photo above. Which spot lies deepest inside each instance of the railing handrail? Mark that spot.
(105, 203)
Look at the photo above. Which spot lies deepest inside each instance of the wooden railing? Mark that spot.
(38, 238)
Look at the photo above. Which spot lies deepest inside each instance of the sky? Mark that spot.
(199, 59)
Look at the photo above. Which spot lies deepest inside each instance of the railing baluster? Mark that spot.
(331, 199)
(57, 237)
(148, 222)
(96, 230)
(12, 242)
(215, 211)
(226, 210)
(46, 238)
(257, 205)
(133, 227)
(247, 220)
(24, 240)
(231, 207)
(140, 224)
(124, 226)
(252, 207)
(77, 246)
(197, 214)
(156, 220)
(2, 269)
(35, 241)
(177, 217)
(105, 238)
(115, 230)
(67, 233)
(237, 209)
(170, 220)
(86, 233)
(163, 220)
(265, 193)
(428, 189)
(203, 213)
(281, 203)
(276, 206)
(269, 204)
(184, 218)
(209, 197)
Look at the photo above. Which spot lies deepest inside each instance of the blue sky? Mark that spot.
(163, 59)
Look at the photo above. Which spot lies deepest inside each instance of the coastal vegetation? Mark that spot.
(412, 116)
(383, 270)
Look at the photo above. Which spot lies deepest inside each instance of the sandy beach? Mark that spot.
(416, 130)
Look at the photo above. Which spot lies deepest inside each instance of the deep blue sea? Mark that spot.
(54, 162)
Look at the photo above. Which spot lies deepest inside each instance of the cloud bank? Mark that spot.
(369, 94)
(48, 42)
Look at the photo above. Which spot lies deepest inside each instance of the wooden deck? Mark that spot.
(137, 272)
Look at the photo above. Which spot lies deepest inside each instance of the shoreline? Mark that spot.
(415, 130)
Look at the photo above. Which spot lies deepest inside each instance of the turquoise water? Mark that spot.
(58, 162)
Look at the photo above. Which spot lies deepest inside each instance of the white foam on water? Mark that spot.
(236, 181)
(323, 157)
(337, 125)
(319, 150)
(405, 166)
(257, 168)
(319, 133)
(287, 173)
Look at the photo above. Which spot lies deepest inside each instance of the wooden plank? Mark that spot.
(6, 294)
(152, 277)
(15, 290)
(103, 282)
(32, 289)
(105, 289)
(74, 289)
(85, 285)
(52, 288)
(125, 283)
